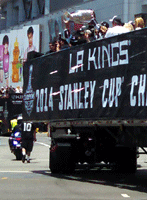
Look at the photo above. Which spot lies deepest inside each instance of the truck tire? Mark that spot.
(126, 159)
(61, 158)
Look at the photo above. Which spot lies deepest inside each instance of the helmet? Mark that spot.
(19, 119)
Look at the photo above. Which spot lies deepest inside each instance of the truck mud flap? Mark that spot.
(61, 158)
(126, 159)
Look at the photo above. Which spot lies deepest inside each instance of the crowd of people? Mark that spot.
(6, 91)
(93, 31)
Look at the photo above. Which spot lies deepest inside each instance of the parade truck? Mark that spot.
(10, 108)
(94, 98)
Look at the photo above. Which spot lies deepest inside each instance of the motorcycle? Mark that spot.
(15, 145)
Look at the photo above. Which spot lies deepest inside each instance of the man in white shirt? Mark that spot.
(117, 28)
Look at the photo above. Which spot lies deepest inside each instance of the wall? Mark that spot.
(104, 10)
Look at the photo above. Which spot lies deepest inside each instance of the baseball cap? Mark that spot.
(131, 22)
(116, 19)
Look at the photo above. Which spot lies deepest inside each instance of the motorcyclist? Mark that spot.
(13, 142)
(18, 128)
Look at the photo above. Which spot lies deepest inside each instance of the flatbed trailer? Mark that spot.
(94, 99)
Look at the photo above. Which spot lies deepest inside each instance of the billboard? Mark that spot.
(14, 46)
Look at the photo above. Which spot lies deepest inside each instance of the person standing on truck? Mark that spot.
(28, 137)
(117, 29)
(139, 23)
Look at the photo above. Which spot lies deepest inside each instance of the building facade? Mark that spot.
(46, 18)
(18, 13)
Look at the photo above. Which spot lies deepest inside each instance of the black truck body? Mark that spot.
(94, 98)
(10, 108)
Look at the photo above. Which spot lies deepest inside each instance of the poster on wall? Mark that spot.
(14, 47)
(4, 58)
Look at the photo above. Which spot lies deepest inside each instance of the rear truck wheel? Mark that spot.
(18, 154)
(126, 159)
(61, 158)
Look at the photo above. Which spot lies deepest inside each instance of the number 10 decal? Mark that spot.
(27, 127)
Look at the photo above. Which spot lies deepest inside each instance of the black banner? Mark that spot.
(104, 79)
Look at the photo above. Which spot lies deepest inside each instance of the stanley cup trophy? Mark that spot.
(81, 17)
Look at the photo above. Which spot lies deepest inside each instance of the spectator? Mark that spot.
(87, 35)
(11, 90)
(57, 46)
(52, 47)
(3, 91)
(63, 44)
(67, 36)
(139, 23)
(129, 26)
(101, 32)
(132, 23)
(103, 23)
(117, 28)
(6, 91)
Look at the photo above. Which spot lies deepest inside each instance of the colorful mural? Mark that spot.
(14, 47)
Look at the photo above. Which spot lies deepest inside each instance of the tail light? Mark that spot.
(18, 139)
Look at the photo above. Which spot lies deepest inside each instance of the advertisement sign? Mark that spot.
(105, 79)
(13, 52)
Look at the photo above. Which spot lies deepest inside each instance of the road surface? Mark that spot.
(35, 182)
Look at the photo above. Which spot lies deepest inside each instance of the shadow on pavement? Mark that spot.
(135, 182)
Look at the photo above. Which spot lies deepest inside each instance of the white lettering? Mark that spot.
(80, 58)
(92, 58)
(51, 99)
(92, 89)
(77, 95)
(115, 46)
(141, 91)
(124, 61)
(138, 95)
(69, 101)
(61, 97)
(133, 98)
(105, 100)
(110, 55)
(111, 91)
(45, 105)
(86, 94)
